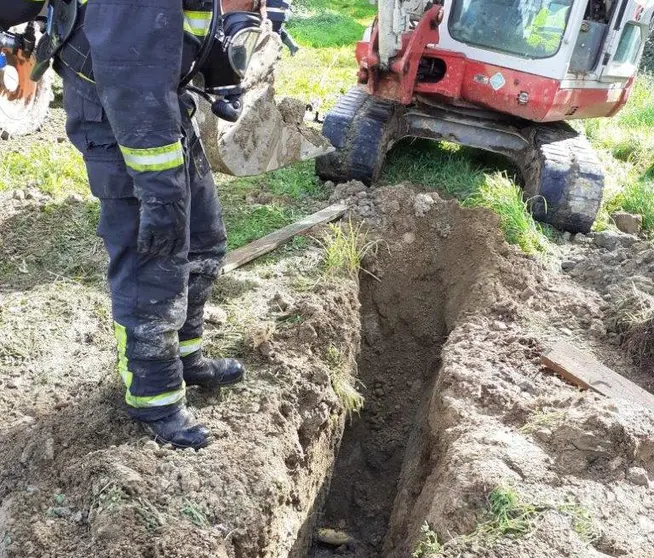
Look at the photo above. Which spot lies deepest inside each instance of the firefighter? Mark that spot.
(160, 218)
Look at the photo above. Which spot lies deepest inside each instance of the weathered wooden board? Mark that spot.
(585, 371)
(268, 243)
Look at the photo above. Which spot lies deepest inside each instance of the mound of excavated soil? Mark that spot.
(445, 335)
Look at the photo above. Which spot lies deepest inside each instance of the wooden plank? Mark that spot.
(585, 371)
(268, 243)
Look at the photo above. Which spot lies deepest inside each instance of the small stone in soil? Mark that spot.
(151, 445)
(527, 293)
(638, 476)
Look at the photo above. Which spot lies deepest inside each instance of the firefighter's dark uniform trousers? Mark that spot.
(133, 128)
(121, 70)
(157, 301)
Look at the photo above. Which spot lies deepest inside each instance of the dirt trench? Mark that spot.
(444, 331)
(406, 315)
(457, 405)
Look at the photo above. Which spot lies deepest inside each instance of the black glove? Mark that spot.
(162, 228)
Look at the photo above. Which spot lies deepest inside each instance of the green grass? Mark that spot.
(53, 168)
(195, 515)
(340, 23)
(446, 167)
(428, 543)
(504, 197)
(245, 224)
(636, 197)
(626, 143)
(507, 516)
(344, 247)
(326, 29)
(325, 68)
(343, 383)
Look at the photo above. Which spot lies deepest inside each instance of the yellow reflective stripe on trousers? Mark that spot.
(123, 369)
(197, 23)
(189, 347)
(154, 159)
(145, 401)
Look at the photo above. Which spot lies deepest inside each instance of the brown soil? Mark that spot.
(447, 335)
(443, 429)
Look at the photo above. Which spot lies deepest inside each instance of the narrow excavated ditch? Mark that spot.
(426, 279)
(399, 361)
(457, 404)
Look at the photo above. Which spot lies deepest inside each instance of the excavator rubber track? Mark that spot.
(563, 178)
(362, 129)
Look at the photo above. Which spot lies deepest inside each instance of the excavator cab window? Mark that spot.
(527, 28)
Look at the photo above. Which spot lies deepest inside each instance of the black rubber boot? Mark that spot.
(211, 374)
(179, 429)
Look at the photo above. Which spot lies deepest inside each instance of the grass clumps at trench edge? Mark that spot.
(343, 383)
(344, 248)
(505, 198)
(466, 174)
(507, 516)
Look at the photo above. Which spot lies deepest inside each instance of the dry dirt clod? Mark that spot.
(333, 537)
(628, 222)
(281, 302)
(423, 204)
(215, 315)
(19, 195)
(638, 476)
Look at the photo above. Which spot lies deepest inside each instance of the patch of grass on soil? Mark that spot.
(325, 68)
(505, 198)
(343, 383)
(428, 544)
(54, 169)
(467, 175)
(507, 516)
(626, 144)
(256, 206)
(344, 248)
(55, 241)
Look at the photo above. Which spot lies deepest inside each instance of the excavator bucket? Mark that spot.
(23, 103)
(269, 135)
